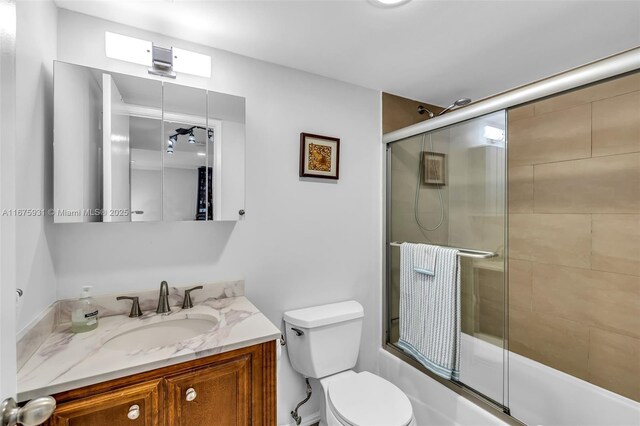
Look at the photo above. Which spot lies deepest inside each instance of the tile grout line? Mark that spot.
(576, 159)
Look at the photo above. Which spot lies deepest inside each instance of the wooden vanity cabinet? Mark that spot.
(220, 392)
(233, 388)
(135, 405)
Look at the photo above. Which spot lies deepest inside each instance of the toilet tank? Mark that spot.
(324, 340)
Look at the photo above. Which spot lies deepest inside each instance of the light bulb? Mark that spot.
(192, 139)
(172, 139)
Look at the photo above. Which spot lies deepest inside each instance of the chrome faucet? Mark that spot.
(163, 300)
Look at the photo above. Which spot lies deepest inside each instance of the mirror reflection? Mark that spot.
(132, 149)
(185, 136)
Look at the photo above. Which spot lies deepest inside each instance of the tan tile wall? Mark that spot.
(574, 233)
(399, 112)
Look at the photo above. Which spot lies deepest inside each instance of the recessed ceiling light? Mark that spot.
(388, 3)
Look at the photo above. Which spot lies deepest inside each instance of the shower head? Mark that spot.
(460, 102)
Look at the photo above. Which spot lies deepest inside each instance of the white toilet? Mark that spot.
(323, 343)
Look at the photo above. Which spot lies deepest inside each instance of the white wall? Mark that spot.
(302, 242)
(35, 52)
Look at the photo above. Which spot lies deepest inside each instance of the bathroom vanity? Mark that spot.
(232, 388)
(212, 364)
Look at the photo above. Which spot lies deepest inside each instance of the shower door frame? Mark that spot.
(494, 407)
(598, 71)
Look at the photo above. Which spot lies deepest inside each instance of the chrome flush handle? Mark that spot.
(191, 394)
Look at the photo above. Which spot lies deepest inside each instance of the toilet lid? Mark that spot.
(368, 400)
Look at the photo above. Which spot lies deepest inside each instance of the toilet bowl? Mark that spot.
(323, 343)
(359, 399)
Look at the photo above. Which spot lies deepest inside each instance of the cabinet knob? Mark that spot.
(191, 394)
(134, 412)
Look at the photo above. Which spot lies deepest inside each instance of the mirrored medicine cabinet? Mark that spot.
(134, 149)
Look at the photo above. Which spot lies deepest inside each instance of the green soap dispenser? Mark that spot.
(84, 316)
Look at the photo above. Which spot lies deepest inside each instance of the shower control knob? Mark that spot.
(241, 212)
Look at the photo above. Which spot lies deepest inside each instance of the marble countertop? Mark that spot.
(67, 361)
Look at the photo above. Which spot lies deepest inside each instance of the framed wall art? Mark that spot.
(434, 168)
(319, 156)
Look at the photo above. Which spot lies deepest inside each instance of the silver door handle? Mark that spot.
(36, 412)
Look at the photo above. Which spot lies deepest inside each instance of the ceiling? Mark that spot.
(434, 51)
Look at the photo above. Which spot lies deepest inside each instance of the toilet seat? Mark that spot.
(365, 399)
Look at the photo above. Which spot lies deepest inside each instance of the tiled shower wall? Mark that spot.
(574, 233)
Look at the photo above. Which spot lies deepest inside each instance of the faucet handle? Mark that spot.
(135, 307)
(187, 303)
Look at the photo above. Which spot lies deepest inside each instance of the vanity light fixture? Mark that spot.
(129, 49)
(192, 139)
(191, 62)
(162, 61)
(494, 134)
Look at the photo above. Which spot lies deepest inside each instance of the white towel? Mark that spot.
(424, 258)
(430, 311)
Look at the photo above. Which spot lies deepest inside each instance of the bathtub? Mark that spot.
(541, 395)
(433, 404)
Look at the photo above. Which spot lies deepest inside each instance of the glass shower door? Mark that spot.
(447, 187)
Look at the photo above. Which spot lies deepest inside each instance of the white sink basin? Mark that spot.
(164, 333)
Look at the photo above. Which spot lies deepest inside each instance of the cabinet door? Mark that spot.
(136, 405)
(216, 395)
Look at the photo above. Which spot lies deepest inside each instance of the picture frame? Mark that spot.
(319, 156)
(434, 168)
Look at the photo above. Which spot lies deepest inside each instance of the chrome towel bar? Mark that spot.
(476, 254)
